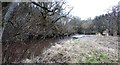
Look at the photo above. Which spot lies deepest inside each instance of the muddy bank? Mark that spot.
(17, 51)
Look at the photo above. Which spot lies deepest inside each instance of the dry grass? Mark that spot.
(96, 49)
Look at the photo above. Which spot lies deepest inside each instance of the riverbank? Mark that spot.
(85, 49)
(16, 52)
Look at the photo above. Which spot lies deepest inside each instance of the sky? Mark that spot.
(91, 8)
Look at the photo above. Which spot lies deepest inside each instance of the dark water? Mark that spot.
(18, 51)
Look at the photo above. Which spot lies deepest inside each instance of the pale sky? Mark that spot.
(91, 8)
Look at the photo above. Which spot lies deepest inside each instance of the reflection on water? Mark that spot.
(17, 51)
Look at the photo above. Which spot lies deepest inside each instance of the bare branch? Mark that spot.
(63, 16)
(41, 6)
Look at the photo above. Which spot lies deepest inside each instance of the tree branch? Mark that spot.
(41, 6)
(62, 16)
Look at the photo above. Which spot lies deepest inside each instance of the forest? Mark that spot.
(30, 33)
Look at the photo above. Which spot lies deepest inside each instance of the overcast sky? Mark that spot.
(91, 8)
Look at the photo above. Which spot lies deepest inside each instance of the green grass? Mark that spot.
(96, 59)
(91, 60)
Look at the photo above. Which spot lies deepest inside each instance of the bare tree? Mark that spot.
(118, 19)
(34, 18)
(52, 9)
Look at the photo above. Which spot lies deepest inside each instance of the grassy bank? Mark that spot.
(96, 49)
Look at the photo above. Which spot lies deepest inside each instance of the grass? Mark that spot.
(78, 51)
(101, 58)
(94, 58)
(91, 59)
